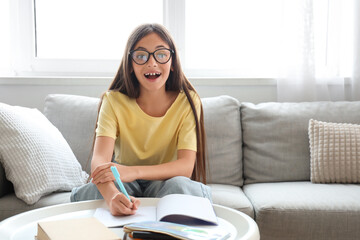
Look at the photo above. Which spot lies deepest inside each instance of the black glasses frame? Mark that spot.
(153, 54)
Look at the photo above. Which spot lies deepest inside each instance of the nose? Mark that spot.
(152, 61)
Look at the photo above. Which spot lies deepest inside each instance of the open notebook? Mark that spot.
(176, 208)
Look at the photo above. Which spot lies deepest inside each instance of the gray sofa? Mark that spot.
(259, 163)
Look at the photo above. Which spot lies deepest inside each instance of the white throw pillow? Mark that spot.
(335, 152)
(35, 156)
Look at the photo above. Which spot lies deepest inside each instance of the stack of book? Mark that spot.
(165, 230)
(174, 217)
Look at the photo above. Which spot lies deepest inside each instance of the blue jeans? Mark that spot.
(145, 188)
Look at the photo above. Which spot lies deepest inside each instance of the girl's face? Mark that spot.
(152, 75)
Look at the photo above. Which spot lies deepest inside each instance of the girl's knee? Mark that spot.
(178, 181)
(85, 192)
(184, 185)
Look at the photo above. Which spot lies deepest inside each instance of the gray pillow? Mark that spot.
(275, 137)
(223, 135)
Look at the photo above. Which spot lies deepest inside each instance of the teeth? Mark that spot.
(152, 74)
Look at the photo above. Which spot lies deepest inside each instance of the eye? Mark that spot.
(162, 54)
(140, 56)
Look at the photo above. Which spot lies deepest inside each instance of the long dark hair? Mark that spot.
(126, 82)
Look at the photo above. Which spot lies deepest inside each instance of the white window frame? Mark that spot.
(26, 64)
(23, 45)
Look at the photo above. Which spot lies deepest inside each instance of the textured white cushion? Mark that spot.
(335, 152)
(35, 156)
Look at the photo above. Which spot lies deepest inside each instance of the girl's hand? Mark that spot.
(103, 174)
(120, 205)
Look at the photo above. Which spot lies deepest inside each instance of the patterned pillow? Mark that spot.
(34, 154)
(335, 152)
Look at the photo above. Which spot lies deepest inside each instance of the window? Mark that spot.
(5, 45)
(227, 38)
(236, 38)
(248, 38)
(89, 29)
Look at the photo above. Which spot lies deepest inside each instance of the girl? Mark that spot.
(151, 119)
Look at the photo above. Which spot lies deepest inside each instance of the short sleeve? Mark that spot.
(107, 121)
(187, 134)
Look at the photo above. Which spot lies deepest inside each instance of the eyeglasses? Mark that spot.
(141, 57)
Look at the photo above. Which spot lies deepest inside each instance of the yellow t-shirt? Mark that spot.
(145, 140)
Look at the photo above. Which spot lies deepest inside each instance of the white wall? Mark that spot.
(31, 92)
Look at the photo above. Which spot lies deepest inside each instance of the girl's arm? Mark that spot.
(183, 166)
(117, 202)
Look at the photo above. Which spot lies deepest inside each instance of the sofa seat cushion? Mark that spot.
(231, 196)
(306, 210)
(11, 205)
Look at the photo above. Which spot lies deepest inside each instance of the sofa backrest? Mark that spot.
(75, 117)
(223, 136)
(275, 137)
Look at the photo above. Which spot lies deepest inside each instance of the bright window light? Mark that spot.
(239, 35)
(220, 39)
(90, 29)
(241, 38)
(5, 58)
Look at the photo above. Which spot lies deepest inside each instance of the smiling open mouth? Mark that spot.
(152, 75)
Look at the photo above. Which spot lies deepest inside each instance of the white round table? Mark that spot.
(24, 226)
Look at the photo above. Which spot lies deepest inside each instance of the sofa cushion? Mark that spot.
(275, 137)
(75, 117)
(335, 152)
(35, 156)
(11, 205)
(223, 140)
(232, 197)
(304, 210)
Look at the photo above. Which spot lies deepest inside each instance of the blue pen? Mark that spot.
(121, 185)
